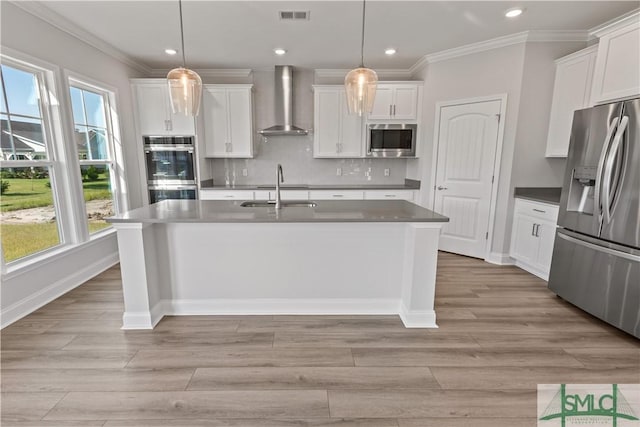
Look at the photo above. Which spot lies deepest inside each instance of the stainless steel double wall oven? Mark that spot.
(170, 165)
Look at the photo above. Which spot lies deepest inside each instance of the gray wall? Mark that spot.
(525, 72)
(295, 153)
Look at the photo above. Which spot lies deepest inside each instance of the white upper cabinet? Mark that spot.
(154, 113)
(571, 91)
(227, 114)
(396, 101)
(336, 132)
(617, 71)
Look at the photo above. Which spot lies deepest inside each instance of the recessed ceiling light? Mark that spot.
(170, 51)
(512, 13)
(390, 51)
(279, 51)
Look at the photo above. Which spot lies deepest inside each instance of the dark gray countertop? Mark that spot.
(408, 185)
(222, 211)
(539, 194)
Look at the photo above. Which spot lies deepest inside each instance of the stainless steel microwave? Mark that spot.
(391, 140)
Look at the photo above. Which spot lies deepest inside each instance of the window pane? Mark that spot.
(29, 220)
(91, 143)
(76, 105)
(28, 139)
(98, 195)
(94, 105)
(22, 92)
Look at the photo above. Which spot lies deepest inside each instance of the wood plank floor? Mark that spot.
(501, 333)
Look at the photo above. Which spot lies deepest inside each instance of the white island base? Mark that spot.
(278, 268)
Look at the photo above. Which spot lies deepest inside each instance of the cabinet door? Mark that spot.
(327, 115)
(524, 244)
(152, 106)
(405, 103)
(181, 124)
(382, 105)
(214, 115)
(571, 91)
(618, 64)
(546, 237)
(351, 142)
(239, 111)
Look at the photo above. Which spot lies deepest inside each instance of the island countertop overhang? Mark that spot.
(224, 211)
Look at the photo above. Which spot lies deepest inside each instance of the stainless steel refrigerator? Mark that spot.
(596, 257)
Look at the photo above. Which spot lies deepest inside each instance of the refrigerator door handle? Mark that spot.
(597, 197)
(609, 251)
(608, 169)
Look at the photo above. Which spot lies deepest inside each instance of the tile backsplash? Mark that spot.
(295, 154)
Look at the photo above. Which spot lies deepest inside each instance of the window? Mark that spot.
(94, 145)
(28, 205)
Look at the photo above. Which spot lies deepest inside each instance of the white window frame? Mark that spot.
(47, 96)
(114, 161)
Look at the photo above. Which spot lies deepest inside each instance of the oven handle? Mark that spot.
(150, 148)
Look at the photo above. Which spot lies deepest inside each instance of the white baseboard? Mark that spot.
(418, 319)
(544, 275)
(499, 259)
(281, 306)
(248, 307)
(44, 296)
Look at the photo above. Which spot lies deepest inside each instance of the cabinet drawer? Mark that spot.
(336, 194)
(290, 195)
(543, 211)
(226, 195)
(389, 195)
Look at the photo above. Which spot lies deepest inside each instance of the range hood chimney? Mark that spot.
(284, 105)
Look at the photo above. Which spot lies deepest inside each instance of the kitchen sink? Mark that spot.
(272, 203)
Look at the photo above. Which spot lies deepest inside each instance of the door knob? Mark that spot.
(440, 187)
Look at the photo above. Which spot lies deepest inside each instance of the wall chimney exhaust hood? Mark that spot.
(284, 105)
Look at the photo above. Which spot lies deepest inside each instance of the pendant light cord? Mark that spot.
(362, 45)
(184, 61)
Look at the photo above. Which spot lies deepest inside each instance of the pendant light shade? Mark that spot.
(361, 83)
(185, 91)
(185, 85)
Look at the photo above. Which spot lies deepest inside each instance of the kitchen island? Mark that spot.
(190, 257)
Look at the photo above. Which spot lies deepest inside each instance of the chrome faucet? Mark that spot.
(279, 179)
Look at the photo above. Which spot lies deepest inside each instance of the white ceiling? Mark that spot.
(243, 34)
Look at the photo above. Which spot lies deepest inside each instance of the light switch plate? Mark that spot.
(387, 172)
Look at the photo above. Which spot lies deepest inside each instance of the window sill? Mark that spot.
(32, 262)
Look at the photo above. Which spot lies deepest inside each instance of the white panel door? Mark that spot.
(467, 144)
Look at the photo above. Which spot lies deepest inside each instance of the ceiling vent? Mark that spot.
(294, 15)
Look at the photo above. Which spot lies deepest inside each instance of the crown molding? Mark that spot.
(39, 10)
(209, 72)
(498, 42)
(382, 73)
(614, 24)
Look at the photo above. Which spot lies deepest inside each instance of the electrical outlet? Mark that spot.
(339, 172)
(387, 172)
(245, 172)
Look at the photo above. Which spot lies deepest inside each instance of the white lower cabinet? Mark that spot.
(336, 195)
(533, 235)
(408, 195)
(226, 195)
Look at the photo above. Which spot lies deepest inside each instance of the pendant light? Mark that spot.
(360, 83)
(185, 85)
